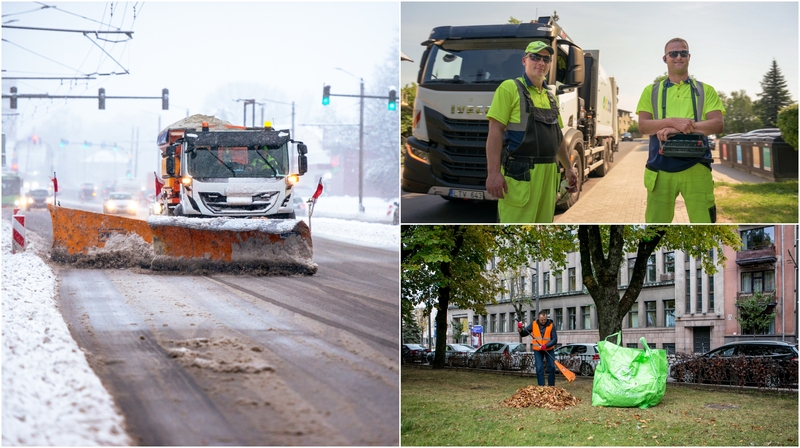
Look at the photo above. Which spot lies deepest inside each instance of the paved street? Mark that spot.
(620, 197)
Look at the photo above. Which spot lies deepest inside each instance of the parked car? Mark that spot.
(300, 207)
(626, 137)
(501, 356)
(119, 202)
(762, 131)
(413, 353)
(38, 198)
(578, 358)
(740, 363)
(455, 354)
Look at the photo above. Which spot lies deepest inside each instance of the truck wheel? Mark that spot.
(577, 165)
(603, 169)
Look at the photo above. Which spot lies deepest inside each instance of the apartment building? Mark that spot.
(681, 308)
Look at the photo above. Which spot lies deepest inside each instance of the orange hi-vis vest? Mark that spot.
(538, 340)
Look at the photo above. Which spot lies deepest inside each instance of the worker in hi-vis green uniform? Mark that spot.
(679, 105)
(264, 162)
(524, 143)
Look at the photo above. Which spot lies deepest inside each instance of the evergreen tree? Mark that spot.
(774, 97)
(740, 115)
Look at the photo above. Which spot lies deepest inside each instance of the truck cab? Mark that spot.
(233, 172)
(459, 72)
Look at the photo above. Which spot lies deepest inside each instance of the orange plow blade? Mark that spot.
(257, 246)
(194, 245)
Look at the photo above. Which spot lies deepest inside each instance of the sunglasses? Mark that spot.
(674, 54)
(537, 57)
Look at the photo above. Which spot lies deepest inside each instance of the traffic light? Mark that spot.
(326, 95)
(101, 98)
(64, 143)
(164, 99)
(393, 99)
(13, 99)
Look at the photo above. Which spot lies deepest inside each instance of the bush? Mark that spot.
(787, 122)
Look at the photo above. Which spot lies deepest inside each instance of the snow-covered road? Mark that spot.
(50, 394)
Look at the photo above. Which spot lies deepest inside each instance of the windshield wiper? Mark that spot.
(210, 151)
(274, 171)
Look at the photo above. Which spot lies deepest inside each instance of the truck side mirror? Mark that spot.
(575, 67)
(302, 149)
(170, 150)
(170, 162)
(302, 164)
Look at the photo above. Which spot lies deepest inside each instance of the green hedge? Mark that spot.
(787, 122)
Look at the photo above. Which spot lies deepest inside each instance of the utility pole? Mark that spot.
(361, 153)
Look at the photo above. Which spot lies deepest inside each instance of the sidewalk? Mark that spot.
(621, 198)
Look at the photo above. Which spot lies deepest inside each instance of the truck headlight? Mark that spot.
(418, 154)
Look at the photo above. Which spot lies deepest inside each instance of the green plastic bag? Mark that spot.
(629, 377)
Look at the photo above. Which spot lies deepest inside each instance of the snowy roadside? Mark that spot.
(50, 394)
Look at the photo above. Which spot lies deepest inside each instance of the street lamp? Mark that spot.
(360, 145)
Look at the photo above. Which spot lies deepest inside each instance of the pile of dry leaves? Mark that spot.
(541, 397)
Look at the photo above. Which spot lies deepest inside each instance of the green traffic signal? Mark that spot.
(392, 99)
(326, 95)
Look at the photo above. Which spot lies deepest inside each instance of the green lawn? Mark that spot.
(772, 202)
(461, 407)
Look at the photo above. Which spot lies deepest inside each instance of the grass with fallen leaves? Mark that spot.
(460, 407)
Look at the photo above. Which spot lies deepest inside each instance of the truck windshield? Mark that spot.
(245, 162)
(473, 66)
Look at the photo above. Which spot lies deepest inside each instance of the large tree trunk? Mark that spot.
(444, 300)
(600, 274)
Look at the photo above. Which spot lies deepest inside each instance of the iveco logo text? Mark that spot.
(476, 110)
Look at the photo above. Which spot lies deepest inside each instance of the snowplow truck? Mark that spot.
(459, 72)
(214, 174)
(212, 168)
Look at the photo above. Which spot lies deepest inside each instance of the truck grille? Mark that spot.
(218, 203)
(458, 152)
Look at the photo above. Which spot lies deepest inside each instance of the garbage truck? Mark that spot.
(459, 71)
(210, 167)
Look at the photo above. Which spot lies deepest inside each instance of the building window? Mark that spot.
(650, 309)
(669, 313)
(699, 291)
(559, 281)
(475, 320)
(759, 281)
(669, 348)
(533, 316)
(503, 328)
(688, 293)
(632, 345)
(572, 284)
(710, 293)
(493, 324)
(669, 262)
(559, 319)
(571, 319)
(546, 284)
(631, 263)
(587, 317)
(535, 284)
(522, 286)
(755, 239)
(651, 269)
(494, 266)
(633, 316)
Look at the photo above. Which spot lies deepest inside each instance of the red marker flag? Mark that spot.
(159, 184)
(318, 192)
(55, 183)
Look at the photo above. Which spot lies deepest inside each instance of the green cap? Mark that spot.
(537, 46)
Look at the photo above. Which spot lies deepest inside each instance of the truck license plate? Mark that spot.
(466, 194)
